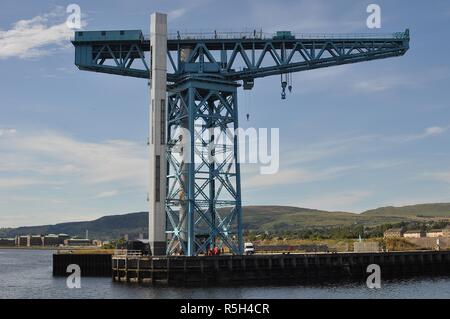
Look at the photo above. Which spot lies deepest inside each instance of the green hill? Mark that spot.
(281, 218)
(107, 227)
(256, 218)
(414, 211)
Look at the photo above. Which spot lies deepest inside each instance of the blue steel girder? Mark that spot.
(203, 201)
(231, 59)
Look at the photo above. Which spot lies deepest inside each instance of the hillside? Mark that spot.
(414, 211)
(256, 218)
(281, 218)
(106, 227)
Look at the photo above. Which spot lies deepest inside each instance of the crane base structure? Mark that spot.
(203, 202)
(195, 188)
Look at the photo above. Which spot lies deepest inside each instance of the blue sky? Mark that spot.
(73, 143)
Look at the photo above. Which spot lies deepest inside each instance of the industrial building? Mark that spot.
(447, 231)
(22, 241)
(7, 242)
(49, 240)
(35, 240)
(415, 234)
(78, 242)
(394, 233)
(400, 232)
(62, 238)
(435, 233)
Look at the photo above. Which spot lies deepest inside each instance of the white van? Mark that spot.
(249, 249)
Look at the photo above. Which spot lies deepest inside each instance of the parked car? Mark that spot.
(249, 249)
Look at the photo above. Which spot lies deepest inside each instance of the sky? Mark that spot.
(354, 137)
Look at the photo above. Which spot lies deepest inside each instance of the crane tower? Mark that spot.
(194, 181)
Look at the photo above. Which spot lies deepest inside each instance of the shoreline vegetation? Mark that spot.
(279, 246)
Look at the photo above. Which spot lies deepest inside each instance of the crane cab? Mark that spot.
(283, 35)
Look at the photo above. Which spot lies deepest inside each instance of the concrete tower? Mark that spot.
(157, 140)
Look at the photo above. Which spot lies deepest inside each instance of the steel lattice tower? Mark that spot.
(204, 196)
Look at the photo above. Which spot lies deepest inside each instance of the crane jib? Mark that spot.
(232, 57)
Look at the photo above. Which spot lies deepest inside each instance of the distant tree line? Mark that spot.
(342, 232)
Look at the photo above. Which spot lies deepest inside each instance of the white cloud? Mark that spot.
(382, 82)
(7, 132)
(19, 182)
(107, 194)
(384, 164)
(36, 200)
(303, 16)
(50, 155)
(35, 37)
(187, 6)
(373, 86)
(358, 79)
(42, 173)
(335, 201)
(320, 150)
(428, 132)
(439, 176)
(293, 176)
(177, 13)
(435, 130)
(384, 79)
(311, 162)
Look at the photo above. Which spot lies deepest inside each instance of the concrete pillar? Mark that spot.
(157, 178)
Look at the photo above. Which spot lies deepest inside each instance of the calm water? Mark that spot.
(28, 274)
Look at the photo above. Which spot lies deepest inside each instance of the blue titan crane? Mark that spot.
(201, 189)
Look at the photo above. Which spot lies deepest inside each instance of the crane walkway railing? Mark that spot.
(260, 35)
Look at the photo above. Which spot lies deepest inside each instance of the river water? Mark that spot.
(28, 274)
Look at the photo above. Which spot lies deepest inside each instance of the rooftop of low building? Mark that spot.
(414, 231)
